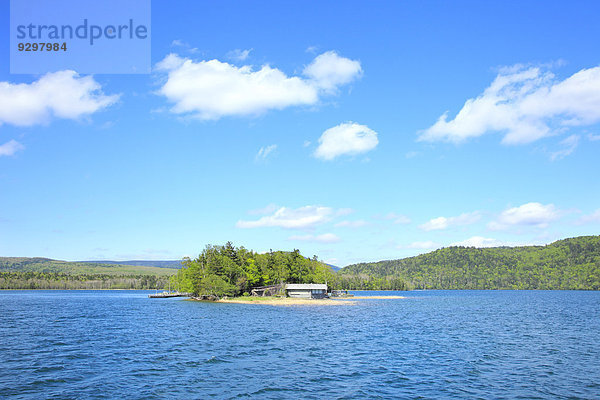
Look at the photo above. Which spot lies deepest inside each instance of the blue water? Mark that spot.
(433, 344)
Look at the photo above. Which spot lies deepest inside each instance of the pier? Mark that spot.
(164, 295)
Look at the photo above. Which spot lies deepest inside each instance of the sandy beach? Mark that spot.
(287, 301)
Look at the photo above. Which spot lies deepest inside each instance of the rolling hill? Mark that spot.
(47, 265)
(565, 264)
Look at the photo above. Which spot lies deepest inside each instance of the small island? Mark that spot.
(228, 274)
(236, 275)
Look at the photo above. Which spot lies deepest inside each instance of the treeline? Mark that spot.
(55, 280)
(46, 265)
(231, 271)
(566, 264)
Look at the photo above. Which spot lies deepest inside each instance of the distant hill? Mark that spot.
(47, 265)
(333, 267)
(566, 264)
(156, 263)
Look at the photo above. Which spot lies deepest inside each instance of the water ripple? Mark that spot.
(461, 345)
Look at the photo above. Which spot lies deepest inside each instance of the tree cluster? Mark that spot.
(231, 271)
(57, 280)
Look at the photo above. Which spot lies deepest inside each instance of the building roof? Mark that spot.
(307, 286)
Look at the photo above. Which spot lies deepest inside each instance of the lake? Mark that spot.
(432, 344)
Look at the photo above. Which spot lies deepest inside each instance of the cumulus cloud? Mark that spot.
(478, 241)
(238, 55)
(329, 71)
(348, 138)
(11, 147)
(62, 94)
(525, 104)
(530, 214)
(440, 223)
(213, 89)
(568, 147)
(264, 152)
(324, 238)
(293, 218)
(351, 224)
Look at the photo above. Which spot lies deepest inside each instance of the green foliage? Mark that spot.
(229, 271)
(46, 265)
(44, 273)
(566, 264)
(58, 280)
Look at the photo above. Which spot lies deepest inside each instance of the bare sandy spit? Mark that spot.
(287, 301)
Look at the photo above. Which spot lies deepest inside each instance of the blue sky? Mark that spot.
(356, 132)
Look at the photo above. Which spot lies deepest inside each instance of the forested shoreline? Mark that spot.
(63, 281)
(569, 264)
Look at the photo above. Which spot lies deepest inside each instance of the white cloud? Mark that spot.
(11, 147)
(62, 94)
(569, 145)
(593, 138)
(440, 223)
(351, 224)
(264, 152)
(328, 71)
(270, 208)
(425, 245)
(347, 138)
(238, 55)
(435, 224)
(478, 241)
(591, 218)
(397, 218)
(183, 45)
(530, 214)
(324, 238)
(525, 104)
(343, 211)
(292, 218)
(212, 89)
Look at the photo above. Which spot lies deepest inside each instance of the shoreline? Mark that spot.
(285, 301)
(294, 301)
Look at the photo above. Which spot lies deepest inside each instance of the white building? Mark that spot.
(306, 290)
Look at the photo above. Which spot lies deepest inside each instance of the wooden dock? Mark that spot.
(165, 295)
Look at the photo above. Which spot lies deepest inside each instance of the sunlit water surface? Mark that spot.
(433, 344)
